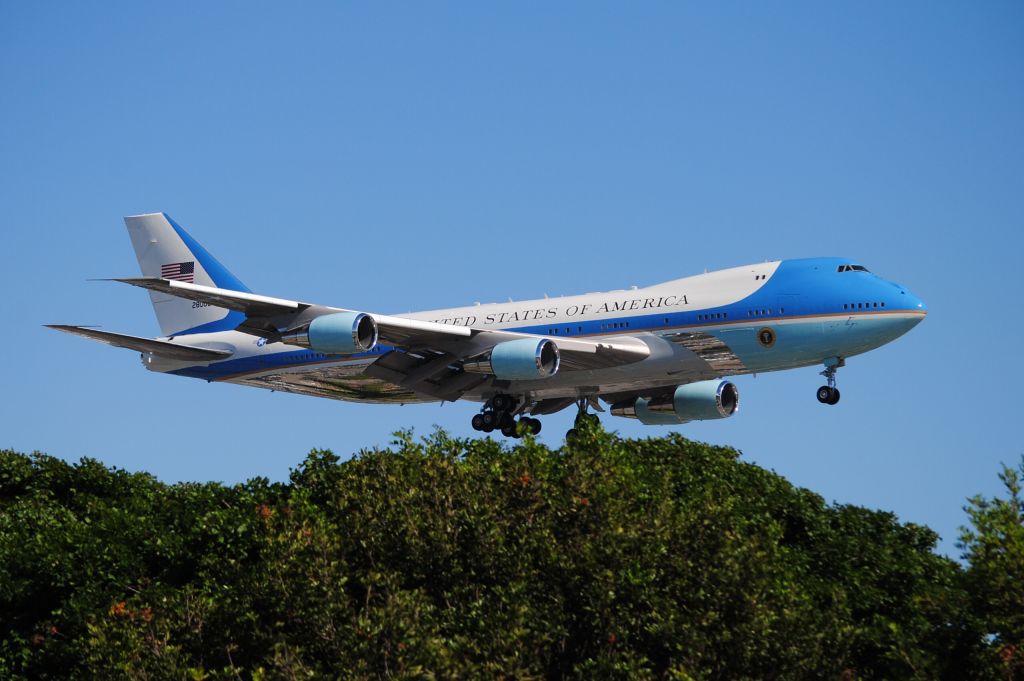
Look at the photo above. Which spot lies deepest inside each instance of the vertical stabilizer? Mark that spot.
(166, 250)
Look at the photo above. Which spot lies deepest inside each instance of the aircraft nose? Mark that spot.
(914, 304)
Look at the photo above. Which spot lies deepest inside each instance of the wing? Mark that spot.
(187, 353)
(430, 353)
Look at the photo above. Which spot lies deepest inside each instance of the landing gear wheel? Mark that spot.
(828, 395)
(477, 422)
(506, 420)
(533, 424)
(489, 420)
(583, 419)
(509, 429)
(501, 402)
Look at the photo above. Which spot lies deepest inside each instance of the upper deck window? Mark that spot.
(851, 268)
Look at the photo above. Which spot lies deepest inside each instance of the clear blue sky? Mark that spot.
(393, 157)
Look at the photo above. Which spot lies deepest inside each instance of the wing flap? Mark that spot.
(157, 347)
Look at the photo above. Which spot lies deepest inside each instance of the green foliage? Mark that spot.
(446, 558)
(994, 548)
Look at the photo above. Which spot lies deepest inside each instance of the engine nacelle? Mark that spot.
(692, 402)
(517, 360)
(339, 333)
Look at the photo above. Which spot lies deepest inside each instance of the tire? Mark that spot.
(824, 394)
(571, 434)
(835, 396)
(477, 422)
(534, 425)
(506, 420)
(490, 420)
(501, 402)
(509, 430)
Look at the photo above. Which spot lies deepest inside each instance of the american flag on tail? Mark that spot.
(179, 271)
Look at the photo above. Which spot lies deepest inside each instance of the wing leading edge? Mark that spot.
(272, 317)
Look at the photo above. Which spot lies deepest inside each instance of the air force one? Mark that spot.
(657, 354)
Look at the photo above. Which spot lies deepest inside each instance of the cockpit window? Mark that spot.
(852, 268)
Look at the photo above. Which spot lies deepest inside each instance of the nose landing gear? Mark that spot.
(499, 414)
(829, 394)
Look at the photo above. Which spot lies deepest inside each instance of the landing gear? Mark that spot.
(829, 394)
(531, 423)
(582, 417)
(498, 414)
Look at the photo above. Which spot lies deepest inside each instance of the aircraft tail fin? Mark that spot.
(167, 251)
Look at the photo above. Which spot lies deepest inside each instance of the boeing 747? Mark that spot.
(658, 354)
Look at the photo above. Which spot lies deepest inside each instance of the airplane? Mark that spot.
(658, 354)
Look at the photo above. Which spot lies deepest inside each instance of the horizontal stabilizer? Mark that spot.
(157, 347)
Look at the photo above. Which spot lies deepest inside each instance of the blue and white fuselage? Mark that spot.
(634, 349)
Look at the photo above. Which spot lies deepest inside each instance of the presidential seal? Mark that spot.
(766, 337)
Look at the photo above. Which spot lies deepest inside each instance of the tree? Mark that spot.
(994, 550)
(660, 558)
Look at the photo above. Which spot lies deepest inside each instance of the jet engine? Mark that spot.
(339, 333)
(523, 359)
(692, 402)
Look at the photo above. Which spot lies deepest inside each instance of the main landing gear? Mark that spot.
(829, 394)
(582, 417)
(499, 414)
